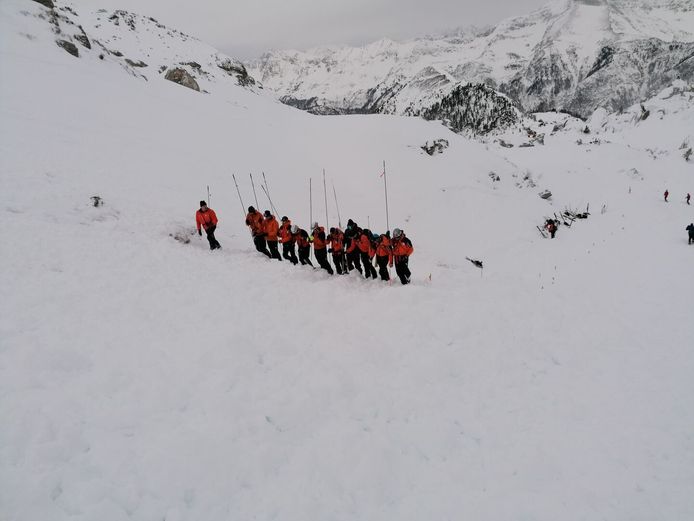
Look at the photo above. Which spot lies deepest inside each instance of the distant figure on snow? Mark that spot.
(689, 197)
(207, 219)
(690, 229)
(665, 195)
(254, 220)
(551, 227)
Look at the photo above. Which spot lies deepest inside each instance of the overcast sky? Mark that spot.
(246, 29)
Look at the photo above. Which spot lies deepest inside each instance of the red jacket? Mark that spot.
(319, 241)
(336, 241)
(271, 227)
(284, 233)
(301, 241)
(383, 249)
(255, 221)
(205, 219)
(364, 244)
(402, 247)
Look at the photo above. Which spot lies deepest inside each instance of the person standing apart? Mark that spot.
(207, 219)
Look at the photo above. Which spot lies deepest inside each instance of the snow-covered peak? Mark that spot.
(138, 44)
(542, 60)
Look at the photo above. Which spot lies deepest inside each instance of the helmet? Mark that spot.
(397, 232)
(251, 209)
(332, 230)
(203, 203)
(267, 213)
(294, 228)
(285, 218)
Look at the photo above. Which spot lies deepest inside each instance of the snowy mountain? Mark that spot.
(571, 55)
(140, 45)
(144, 377)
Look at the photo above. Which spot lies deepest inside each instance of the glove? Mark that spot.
(330, 250)
(200, 232)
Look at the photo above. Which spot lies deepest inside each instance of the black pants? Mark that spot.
(383, 267)
(288, 252)
(353, 261)
(369, 270)
(402, 269)
(274, 252)
(691, 238)
(322, 258)
(339, 262)
(260, 245)
(304, 252)
(214, 244)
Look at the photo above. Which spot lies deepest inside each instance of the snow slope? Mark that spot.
(572, 55)
(142, 378)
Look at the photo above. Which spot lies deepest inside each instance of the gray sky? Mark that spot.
(245, 29)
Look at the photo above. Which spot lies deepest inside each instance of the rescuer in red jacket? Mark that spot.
(207, 219)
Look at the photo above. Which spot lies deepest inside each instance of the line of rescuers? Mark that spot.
(354, 249)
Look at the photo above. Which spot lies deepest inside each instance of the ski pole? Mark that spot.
(267, 194)
(385, 186)
(339, 218)
(208, 196)
(243, 208)
(267, 189)
(325, 195)
(254, 194)
(310, 211)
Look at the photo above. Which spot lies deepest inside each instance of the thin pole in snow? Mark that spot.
(339, 218)
(267, 192)
(254, 194)
(243, 207)
(325, 195)
(310, 206)
(208, 196)
(385, 186)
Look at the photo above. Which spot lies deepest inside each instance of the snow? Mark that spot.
(142, 378)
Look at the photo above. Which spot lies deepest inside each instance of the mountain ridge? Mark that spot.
(541, 60)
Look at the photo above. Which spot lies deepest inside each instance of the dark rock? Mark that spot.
(437, 147)
(526, 145)
(504, 144)
(46, 3)
(117, 53)
(138, 63)
(69, 47)
(237, 69)
(182, 77)
(83, 38)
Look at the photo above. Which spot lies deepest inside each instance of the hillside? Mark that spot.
(144, 377)
(571, 55)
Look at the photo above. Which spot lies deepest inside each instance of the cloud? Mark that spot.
(248, 28)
